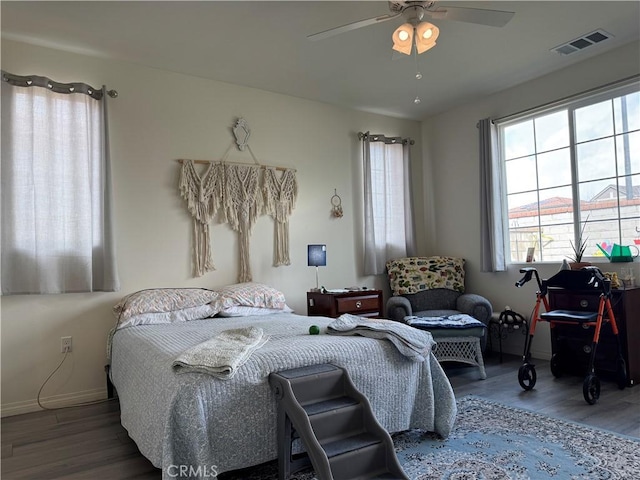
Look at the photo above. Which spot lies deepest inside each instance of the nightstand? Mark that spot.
(365, 303)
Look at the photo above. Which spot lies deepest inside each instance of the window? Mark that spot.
(572, 167)
(388, 212)
(56, 226)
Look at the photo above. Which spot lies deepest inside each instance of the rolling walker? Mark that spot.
(589, 278)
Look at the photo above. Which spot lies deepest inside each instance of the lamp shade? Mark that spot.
(317, 255)
(403, 38)
(426, 36)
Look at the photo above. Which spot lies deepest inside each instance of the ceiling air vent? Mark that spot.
(582, 42)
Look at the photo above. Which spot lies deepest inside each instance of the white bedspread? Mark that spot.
(197, 420)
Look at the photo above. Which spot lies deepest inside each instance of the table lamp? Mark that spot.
(316, 257)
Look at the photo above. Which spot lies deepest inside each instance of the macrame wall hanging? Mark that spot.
(280, 198)
(241, 192)
(242, 204)
(203, 196)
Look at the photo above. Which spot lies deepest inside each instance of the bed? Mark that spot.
(199, 420)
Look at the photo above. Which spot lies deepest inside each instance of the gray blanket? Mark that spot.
(196, 419)
(412, 343)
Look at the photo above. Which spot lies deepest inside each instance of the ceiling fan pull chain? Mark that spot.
(418, 74)
(415, 56)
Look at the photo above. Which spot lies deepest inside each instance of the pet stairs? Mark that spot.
(342, 439)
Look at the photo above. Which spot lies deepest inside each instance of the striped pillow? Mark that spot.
(161, 300)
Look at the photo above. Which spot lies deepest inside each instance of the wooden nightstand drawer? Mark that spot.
(365, 303)
(355, 304)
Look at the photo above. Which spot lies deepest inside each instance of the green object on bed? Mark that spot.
(314, 330)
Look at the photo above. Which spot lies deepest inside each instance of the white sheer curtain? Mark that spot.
(491, 234)
(56, 220)
(388, 216)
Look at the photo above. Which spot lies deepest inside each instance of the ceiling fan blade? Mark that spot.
(351, 26)
(493, 18)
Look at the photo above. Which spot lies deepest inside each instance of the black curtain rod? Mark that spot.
(37, 81)
(382, 138)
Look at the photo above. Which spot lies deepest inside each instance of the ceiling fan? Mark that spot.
(415, 11)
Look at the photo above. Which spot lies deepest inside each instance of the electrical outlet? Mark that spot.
(65, 344)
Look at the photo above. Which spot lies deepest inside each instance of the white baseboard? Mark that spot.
(54, 401)
(535, 354)
(540, 354)
(514, 345)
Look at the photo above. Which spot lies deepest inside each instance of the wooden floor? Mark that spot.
(89, 443)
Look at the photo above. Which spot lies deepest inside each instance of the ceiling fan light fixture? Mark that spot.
(403, 38)
(424, 48)
(428, 33)
(426, 36)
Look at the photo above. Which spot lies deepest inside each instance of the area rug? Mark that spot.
(491, 441)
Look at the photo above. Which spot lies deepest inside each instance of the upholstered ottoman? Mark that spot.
(457, 338)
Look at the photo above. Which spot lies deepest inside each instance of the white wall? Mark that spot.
(451, 153)
(159, 117)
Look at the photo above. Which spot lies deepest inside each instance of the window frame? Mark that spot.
(570, 105)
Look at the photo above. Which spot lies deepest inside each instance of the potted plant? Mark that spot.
(576, 262)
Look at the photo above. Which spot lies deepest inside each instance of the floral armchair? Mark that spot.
(432, 287)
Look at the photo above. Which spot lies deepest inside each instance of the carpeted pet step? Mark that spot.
(315, 383)
(348, 420)
(358, 457)
(343, 440)
(329, 405)
(349, 446)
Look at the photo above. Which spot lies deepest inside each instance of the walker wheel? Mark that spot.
(527, 376)
(591, 389)
(621, 373)
(555, 366)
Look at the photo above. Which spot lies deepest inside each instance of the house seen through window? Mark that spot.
(575, 167)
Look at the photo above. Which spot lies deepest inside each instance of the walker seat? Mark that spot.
(569, 316)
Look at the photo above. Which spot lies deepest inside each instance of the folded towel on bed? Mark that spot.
(222, 355)
(412, 343)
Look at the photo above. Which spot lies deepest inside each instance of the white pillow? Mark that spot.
(253, 294)
(244, 311)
